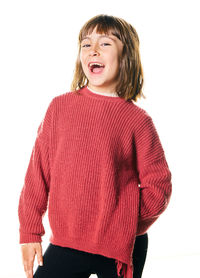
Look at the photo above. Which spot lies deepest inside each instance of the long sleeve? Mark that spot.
(91, 154)
(34, 195)
(154, 175)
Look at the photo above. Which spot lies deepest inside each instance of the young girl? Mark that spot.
(97, 163)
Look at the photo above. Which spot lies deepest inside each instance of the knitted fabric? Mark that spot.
(98, 165)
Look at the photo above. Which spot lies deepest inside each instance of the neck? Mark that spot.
(103, 92)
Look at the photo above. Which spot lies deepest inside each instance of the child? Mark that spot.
(97, 163)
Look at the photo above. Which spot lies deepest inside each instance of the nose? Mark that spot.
(94, 51)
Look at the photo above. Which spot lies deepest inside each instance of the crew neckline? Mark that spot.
(114, 94)
(88, 92)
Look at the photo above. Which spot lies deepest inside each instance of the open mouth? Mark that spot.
(96, 67)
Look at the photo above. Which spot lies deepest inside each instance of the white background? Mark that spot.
(37, 56)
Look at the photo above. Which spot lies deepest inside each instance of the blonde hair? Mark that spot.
(130, 76)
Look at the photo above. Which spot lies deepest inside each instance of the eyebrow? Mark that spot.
(102, 36)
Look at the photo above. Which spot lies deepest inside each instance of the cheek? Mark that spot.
(84, 67)
(113, 59)
(82, 63)
(81, 57)
(114, 65)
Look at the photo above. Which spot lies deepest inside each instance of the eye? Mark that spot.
(105, 43)
(85, 45)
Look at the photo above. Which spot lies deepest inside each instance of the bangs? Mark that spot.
(104, 25)
(130, 79)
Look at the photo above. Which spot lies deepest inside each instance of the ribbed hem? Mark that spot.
(124, 267)
(124, 270)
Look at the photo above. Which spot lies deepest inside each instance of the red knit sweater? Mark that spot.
(99, 167)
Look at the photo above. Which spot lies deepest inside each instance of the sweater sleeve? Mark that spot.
(34, 194)
(154, 175)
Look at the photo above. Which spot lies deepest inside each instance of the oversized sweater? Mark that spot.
(99, 167)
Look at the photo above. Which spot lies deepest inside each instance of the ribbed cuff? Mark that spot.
(144, 225)
(27, 238)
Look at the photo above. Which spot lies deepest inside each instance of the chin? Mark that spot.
(97, 83)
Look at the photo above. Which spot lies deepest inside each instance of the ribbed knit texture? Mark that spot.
(99, 167)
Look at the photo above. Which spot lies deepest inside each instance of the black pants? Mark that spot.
(81, 264)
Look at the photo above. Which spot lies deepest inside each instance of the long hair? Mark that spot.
(130, 76)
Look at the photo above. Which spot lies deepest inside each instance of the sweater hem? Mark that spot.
(124, 266)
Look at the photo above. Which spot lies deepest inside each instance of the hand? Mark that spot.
(29, 250)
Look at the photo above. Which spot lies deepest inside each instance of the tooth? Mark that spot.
(91, 64)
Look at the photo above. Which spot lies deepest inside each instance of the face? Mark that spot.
(99, 58)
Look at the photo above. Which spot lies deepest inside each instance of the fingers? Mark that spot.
(39, 254)
(29, 273)
(28, 268)
(29, 251)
